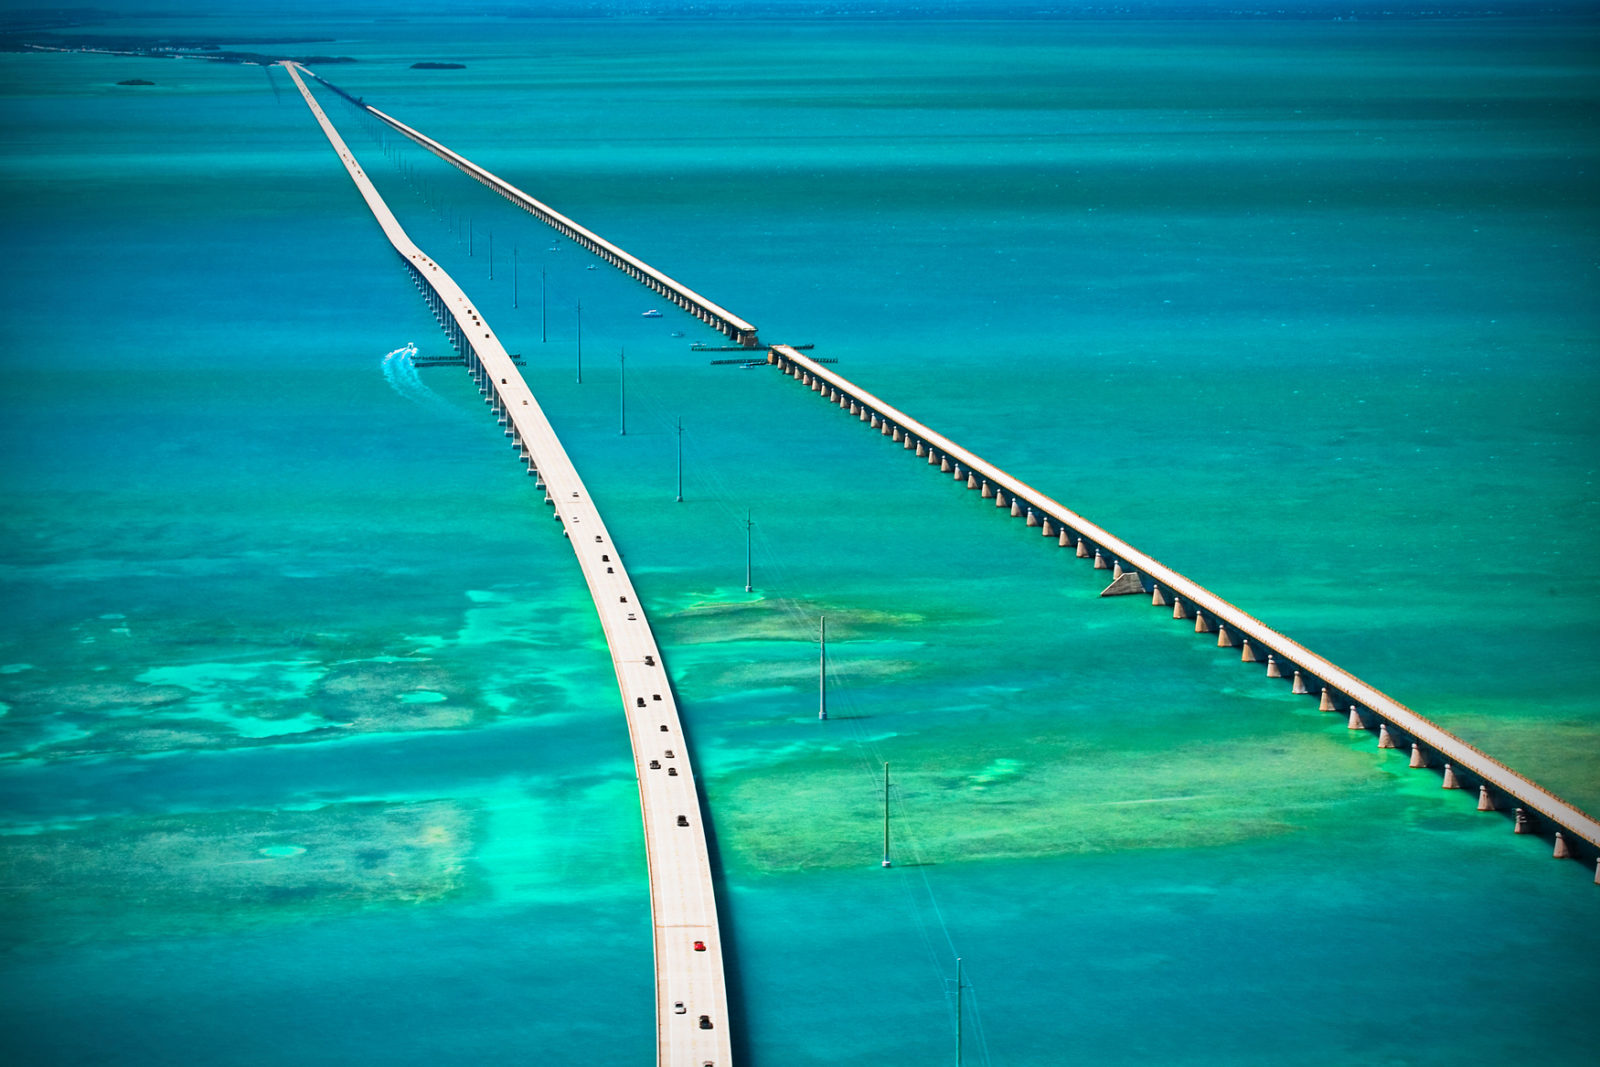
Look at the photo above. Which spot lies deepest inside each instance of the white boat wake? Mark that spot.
(401, 374)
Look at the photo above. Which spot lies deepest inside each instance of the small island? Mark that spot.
(135, 81)
(438, 66)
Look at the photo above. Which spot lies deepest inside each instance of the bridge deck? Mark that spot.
(1461, 755)
(683, 908)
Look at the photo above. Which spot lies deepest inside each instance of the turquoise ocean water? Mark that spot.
(312, 748)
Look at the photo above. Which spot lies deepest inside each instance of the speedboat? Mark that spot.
(652, 314)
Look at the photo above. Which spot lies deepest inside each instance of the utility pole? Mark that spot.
(747, 525)
(822, 673)
(958, 1011)
(886, 862)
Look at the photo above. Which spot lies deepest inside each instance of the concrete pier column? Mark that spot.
(855, 409)
(876, 422)
(1384, 740)
(1158, 599)
(1224, 638)
(1000, 500)
(1016, 509)
(944, 466)
(922, 449)
(1116, 568)
(1202, 625)
(958, 473)
(1065, 540)
(1560, 852)
(1273, 670)
(1047, 528)
(1083, 548)
(1524, 825)
(887, 428)
(1299, 687)
(1417, 757)
(1246, 653)
(910, 442)
(1178, 611)
(988, 490)
(866, 414)
(896, 434)
(1355, 722)
(1033, 520)
(1485, 801)
(1100, 563)
(1326, 703)
(1450, 778)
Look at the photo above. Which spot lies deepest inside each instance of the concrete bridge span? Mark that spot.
(692, 1024)
(1533, 808)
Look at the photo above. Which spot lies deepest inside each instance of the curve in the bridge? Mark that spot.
(691, 997)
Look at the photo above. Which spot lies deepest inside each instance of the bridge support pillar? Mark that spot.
(1224, 638)
(922, 449)
(1047, 529)
(1326, 703)
(1246, 653)
(1178, 610)
(1524, 825)
(1273, 670)
(1355, 722)
(1100, 563)
(908, 441)
(1083, 548)
(1033, 520)
(1202, 625)
(896, 434)
(1016, 509)
(1299, 687)
(972, 480)
(1384, 740)
(1418, 759)
(988, 490)
(1000, 498)
(1450, 778)
(1158, 599)
(1485, 801)
(1560, 852)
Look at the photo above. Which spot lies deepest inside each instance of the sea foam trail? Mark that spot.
(401, 374)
